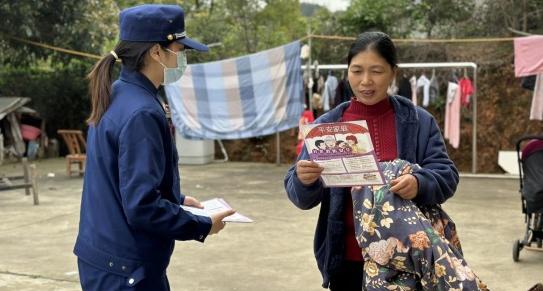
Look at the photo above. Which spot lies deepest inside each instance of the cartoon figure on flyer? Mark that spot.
(330, 142)
(356, 147)
(320, 146)
(343, 147)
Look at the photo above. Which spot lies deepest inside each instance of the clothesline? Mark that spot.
(406, 65)
(471, 65)
(309, 36)
(419, 40)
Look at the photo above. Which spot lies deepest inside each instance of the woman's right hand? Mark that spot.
(216, 220)
(308, 171)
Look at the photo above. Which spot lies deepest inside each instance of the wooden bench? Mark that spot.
(77, 148)
(29, 183)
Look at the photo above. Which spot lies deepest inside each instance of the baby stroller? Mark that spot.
(531, 190)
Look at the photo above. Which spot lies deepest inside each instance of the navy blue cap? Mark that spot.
(156, 23)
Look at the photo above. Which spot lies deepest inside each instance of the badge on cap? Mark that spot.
(177, 35)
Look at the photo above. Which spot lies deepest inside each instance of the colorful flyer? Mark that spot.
(345, 151)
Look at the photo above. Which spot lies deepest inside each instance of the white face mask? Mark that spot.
(171, 75)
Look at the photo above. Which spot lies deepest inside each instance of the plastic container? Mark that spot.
(30, 132)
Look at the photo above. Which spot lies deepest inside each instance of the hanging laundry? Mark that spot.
(320, 85)
(528, 82)
(316, 101)
(452, 115)
(304, 52)
(343, 92)
(243, 97)
(536, 112)
(451, 91)
(528, 55)
(393, 88)
(329, 93)
(306, 118)
(404, 87)
(425, 84)
(434, 90)
(466, 90)
(316, 69)
(413, 82)
(453, 77)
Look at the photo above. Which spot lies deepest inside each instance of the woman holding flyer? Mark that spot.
(398, 130)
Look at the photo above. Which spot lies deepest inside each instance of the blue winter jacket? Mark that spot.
(130, 206)
(419, 141)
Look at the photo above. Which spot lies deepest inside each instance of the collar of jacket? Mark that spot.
(404, 110)
(138, 79)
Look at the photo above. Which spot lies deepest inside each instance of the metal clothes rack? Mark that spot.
(431, 66)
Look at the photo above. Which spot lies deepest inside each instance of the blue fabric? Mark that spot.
(94, 279)
(419, 141)
(130, 213)
(156, 23)
(253, 95)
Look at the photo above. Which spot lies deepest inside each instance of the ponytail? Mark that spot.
(100, 79)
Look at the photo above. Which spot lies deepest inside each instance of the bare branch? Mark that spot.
(519, 32)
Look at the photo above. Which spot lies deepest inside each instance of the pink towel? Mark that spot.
(528, 55)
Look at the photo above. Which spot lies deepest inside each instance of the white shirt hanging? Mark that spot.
(425, 84)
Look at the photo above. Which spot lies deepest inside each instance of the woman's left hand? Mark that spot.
(405, 186)
(191, 201)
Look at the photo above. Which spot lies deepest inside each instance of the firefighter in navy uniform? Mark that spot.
(130, 209)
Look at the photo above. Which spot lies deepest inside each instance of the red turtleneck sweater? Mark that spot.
(382, 126)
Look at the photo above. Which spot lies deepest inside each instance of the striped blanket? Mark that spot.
(253, 95)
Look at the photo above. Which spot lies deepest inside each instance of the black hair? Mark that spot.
(319, 142)
(132, 55)
(377, 41)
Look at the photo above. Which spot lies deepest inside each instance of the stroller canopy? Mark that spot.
(532, 166)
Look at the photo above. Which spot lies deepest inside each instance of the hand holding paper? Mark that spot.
(191, 201)
(216, 206)
(308, 171)
(217, 220)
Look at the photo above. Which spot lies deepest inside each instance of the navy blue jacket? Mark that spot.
(419, 141)
(130, 208)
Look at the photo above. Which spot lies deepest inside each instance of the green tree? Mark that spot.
(325, 22)
(442, 17)
(503, 17)
(390, 16)
(280, 22)
(76, 25)
(240, 27)
(55, 81)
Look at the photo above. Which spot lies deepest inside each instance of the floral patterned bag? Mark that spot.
(407, 247)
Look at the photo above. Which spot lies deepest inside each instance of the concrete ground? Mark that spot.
(274, 253)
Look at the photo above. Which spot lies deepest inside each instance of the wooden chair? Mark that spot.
(77, 147)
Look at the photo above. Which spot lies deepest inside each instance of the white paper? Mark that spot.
(214, 206)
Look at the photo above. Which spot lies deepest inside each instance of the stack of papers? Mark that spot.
(217, 205)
